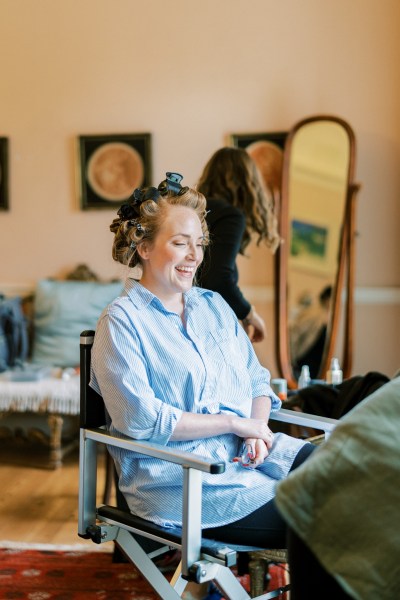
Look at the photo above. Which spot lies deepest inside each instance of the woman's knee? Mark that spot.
(302, 455)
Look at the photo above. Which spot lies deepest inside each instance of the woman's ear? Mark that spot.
(142, 249)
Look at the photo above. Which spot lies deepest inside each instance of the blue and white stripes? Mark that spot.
(149, 369)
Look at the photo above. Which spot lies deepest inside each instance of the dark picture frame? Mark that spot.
(242, 140)
(111, 166)
(4, 173)
(267, 150)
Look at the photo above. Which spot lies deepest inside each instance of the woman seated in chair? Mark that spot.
(175, 366)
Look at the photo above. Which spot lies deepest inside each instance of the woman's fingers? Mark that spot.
(254, 452)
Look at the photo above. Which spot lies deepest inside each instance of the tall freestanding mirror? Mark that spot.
(314, 264)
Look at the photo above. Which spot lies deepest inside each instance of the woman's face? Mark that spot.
(170, 261)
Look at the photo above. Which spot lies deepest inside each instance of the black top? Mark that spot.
(219, 272)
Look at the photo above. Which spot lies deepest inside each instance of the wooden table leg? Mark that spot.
(257, 571)
(55, 423)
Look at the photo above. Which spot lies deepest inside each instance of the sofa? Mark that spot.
(40, 402)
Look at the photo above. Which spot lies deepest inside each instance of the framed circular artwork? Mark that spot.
(111, 167)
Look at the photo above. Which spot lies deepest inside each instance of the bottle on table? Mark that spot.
(305, 378)
(334, 375)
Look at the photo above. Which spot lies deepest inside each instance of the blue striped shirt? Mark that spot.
(149, 369)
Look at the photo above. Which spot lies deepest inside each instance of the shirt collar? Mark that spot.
(142, 297)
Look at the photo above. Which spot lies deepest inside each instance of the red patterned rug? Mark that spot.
(77, 574)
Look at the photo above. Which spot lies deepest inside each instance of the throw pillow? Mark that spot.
(62, 310)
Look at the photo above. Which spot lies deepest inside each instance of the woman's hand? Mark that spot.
(254, 453)
(257, 436)
(253, 429)
(254, 326)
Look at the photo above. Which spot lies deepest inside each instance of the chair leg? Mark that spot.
(148, 569)
(229, 585)
(224, 578)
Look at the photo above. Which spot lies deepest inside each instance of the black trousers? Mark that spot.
(264, 527)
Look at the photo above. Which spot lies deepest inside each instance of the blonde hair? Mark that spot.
(139, 222)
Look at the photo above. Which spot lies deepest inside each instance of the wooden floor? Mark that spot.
(39, 505)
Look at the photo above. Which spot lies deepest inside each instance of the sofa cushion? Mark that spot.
(62, 310)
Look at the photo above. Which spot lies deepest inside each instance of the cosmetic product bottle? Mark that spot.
(304, 379)
(335, 375)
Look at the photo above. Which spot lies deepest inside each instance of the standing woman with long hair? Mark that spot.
(239, 207)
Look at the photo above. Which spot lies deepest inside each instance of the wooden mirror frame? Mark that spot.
(345, 267)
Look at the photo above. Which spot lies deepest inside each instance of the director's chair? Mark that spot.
(203, 560)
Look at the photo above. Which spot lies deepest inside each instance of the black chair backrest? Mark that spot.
(92, 410)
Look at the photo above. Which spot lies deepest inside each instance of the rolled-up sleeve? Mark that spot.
(121, 376)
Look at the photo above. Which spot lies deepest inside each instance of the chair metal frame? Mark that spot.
(203, 560)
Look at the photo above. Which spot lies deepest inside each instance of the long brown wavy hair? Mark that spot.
(232, 175)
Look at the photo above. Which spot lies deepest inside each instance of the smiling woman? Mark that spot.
(165, 236)
(175, 367)
(170, 262)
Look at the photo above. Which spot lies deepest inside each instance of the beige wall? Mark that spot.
(191, 73)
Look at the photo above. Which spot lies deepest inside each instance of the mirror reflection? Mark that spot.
(318, 179)
(316, 224)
